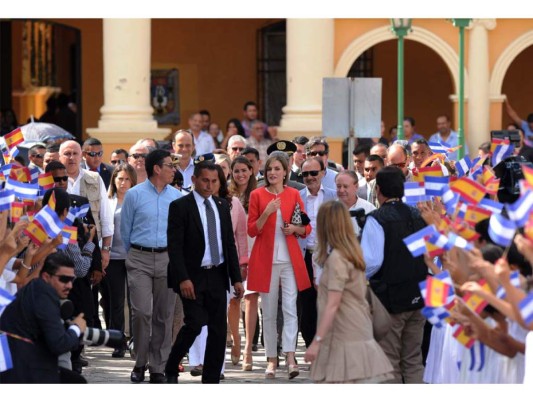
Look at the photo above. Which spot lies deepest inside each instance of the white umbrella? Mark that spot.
(44, 132)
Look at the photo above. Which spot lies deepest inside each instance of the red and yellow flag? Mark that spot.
(496, 142)
(528, 174)
(73, 232)
(20, 174)
(420, 173)
(36, 232)
(528, 229)
(475, 302)
(14, 138)
(46, 180)
(466, 232)
(52, 201)
(437, 292)
(17, 210)
(475, 214)
(468, 189)
(433, 157)
(463, 338)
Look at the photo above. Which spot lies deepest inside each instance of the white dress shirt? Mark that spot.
(204, 143)
(187, 174)
(312, 204)
(106, 216)
(365, 205)
(206, 260)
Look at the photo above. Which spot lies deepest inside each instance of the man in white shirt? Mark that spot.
(347, 185)
(318, 146)
(312, 196)
(236, 144)
(184, 146)
(203, 141)
(89, 184)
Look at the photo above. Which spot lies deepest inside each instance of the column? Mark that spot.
(126, 115)
(478, 77)
(309, 59)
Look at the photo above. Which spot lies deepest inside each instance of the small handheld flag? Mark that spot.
(14, 138)
(416, 243)
(6, 362)
(501, 230)
(526, 309)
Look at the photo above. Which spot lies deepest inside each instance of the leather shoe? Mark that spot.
(197, 371)
(118, 353)
(157, 377)
(84, 362)
(137, 375)
(172, 379)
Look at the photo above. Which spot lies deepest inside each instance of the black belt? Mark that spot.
(149, 249)
(310, 251)
(210, 266)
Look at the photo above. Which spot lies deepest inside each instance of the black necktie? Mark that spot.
(212, 232)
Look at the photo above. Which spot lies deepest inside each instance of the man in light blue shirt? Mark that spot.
(526, 126)
(144, 233)
(447, 136)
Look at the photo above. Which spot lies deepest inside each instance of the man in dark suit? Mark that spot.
(33, 320)
(202, 260)
(92, 160)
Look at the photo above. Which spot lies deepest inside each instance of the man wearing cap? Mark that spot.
(288, 148)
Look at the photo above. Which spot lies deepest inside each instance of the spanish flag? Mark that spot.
(475, 302)
(52, 201)
(528, 229)
(475, 214)
(46, 180)
(528, 174)
(17, 209)
(72, 233)
(460, 335)
(14, 138)
(466, 233)
(433, 157)
(420, 173)
(468, 189)
(437, 292)
(36, 232)
(20, 174)
(488, 174)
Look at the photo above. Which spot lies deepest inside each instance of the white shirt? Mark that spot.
(187, 174)
(312, 204)
(281, 251)
(204, 143)
(206, 260)
(106, 216)
(365, 205)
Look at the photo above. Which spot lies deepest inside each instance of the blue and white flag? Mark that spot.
(434, 184)
(435, 315)
(414, 192)
(49, 221)
(463, 166)
(526, 309)
(23, 190)
(520, 210)
(6, 198)
(501, 152)
(82, 211)
(6, 361)
(491, 205)
(501, 230)
(515, 281)
(441, 241)
(449, 199)
(416, 243)
(34, 172)
(459, 241)
(437, 147)
(5, 298)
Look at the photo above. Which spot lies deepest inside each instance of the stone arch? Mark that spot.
(384, 33)
(505, 60)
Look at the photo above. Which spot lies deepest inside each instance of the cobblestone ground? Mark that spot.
(105, 369)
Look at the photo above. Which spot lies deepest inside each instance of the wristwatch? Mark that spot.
(106, 248)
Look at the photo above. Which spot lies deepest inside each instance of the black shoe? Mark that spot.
(222, 377)
(118, 353)
(157, 377)
(172, 379)
(197, 371)
(76, 367)
(254, 347)
(84, 362)
(137, 375)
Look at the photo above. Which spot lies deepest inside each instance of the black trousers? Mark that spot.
(306, 302)
(209, 308)
(114, 292)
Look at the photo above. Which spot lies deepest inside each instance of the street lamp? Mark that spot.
(461, 23)
(400, 27)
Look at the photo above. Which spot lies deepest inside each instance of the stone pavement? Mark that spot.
(105, 369)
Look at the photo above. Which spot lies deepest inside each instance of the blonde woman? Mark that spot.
(344, 349)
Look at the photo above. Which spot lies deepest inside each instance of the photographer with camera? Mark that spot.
(33, 324)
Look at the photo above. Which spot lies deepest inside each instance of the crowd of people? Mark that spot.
(180, 244)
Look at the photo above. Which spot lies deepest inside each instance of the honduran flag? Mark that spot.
(434, 184)
(526, 309)
(35, 174)
(436, 316)
(501, 230)
(477, 166)
(14, 138)
(437, 147)
(515, 281)
(416, 243)
(5, 298)
(6, 198)
(440, 241)
(415, 192)
(521, 209)
(491, 205)
(494, 143)
(459, 242)
(49, 220)
(6, 362)
(470, 190)
(463, 166)
(23, 190)
(449, 199)
(501, 152)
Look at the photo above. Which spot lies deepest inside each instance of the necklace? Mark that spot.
(274, 193)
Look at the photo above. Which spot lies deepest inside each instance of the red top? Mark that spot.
(260, 264)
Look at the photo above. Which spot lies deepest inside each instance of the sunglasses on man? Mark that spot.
(237, 148)
(38, 155)
(65, 278)
(305, 174)
(115, 162)
(138, 155)
(94, 153)
(317, 153)
(58, 179)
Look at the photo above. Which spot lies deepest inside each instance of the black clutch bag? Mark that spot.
(299, 217)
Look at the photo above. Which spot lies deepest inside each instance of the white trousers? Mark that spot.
(282, 274)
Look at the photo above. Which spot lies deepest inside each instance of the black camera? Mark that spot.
(360, 216)
(512, 136)
(97, 337)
